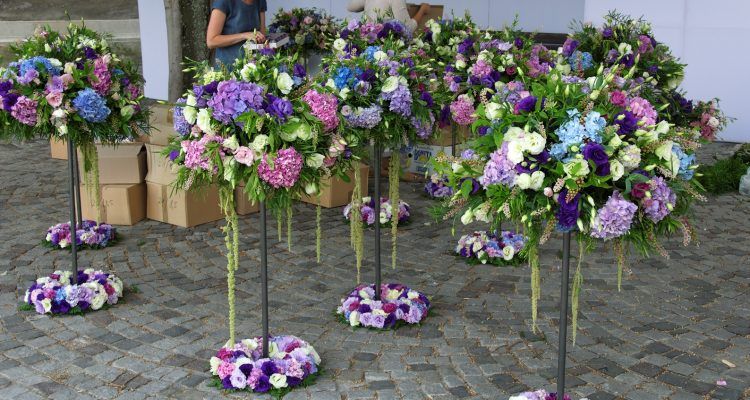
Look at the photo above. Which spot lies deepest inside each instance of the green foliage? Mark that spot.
(723, 176)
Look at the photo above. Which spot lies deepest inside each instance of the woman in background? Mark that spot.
(375, 8)
(232, 23)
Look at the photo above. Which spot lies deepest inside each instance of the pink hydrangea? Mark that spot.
(462, 110)
(25, 111)
(481, 69)
(225, 369)
(323, 107)
(102, 80)
(283, 171)
(643, 110)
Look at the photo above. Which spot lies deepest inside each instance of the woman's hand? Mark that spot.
(257, 37)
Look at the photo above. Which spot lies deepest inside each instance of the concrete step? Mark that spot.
(26, 10)
(121, 29)
(127, 49)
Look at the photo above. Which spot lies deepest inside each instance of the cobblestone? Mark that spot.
(663, 337)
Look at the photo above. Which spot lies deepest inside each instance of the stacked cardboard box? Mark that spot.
(242, 204)
(335, 192)
(122, 170)
(416, 163)
(58, 149)
(444, 136)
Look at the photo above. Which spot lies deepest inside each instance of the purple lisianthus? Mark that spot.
(482, 130)
(627, 122)
(526, 104)
(299, 70)
(607, 32)
(567, 214)
(90, 53)
(427, 98)
(569, 47)
(595, 152)
(279, 107)
(465, 46)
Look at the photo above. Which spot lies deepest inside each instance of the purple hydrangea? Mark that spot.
(367, 118)
(400, 100)
(614, 219)
(661, 201)
(499, 169)
(569, 47)
(234, 98)
(181, 125)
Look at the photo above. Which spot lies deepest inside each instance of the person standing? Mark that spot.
(375, 8)
(232, 23)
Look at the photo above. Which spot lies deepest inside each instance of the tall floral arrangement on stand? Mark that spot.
(259, 125)
(580, 155)
(309, 29)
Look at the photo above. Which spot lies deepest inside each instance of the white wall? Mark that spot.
(712, 37)
(154, 48)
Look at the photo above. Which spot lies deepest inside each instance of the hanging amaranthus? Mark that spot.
(577, 284)
(231, 239)
(318, 230)
(535, 282)
(289, 227)
(91, 177)
(279, 224)
(393, 175)
(356, 227)
(619, 248)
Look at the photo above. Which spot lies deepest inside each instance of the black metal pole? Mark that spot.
(563, 334)
(378, 152)
(77, 184)
(73, 218)
(264, 276)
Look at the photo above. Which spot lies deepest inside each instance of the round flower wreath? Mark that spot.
(291, 362)
(509, 248)
(89, 235)
(540, 394)
(367, 211)
(55, 294)
(398, 305)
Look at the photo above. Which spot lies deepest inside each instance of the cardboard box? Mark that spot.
(58, 149)
(124, 163)
(444, 136)
(159, 167)
(242, 204)
(435, 12)
(180, 207)
(335, 192)
(121, 204)
(162, 128)
(415, 162)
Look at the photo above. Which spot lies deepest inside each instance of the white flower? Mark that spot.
(311, 188)
(665, 150)
(577, 168)
(624, 48)
(523, 181)
(278, 380)
(251, 344)
(59, 113)
(284, 82)
(499, 85)
(460, 64)
(69, 68)
(231, 143)
(47, 305)
(390, 84)
(616, 169)
(339, 44)
(492, 110)
(344, 93)
(191, 101)
(190, 114)
(468, 217)
(354, 318)
(311, 351)
(380, 55)
(259, 143)
(514, 133)
(508, 253)
(315, 160)
(392, 294)
(55, 62)
(615, 142)
(214, 362)
(331, 84)
(204, 120)
(412, 294)
(537, 179)
(434, 27)
(484, 55)
(535, 143)
(515, 151)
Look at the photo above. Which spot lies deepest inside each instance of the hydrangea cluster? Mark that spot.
(398, 305)
(233, 98)
(323, 106)
(366, 118)
(614, 219)
(283, 171)
(540, 394)
(102, 79)
(91, 106)
(179, 122)
(399, 100)
(487, 247)
(462, 110)
(573, 133)
(437, 187)
(367, 211)
(25, 110)
(55, 294)
(242, 366)
(661, 200)
(89, 235)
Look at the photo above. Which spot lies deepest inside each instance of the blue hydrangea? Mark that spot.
(342, 77)
(370, 52)
(686, 161)
(91, 106)
(573, 133)
(32, 64)
(581, 60)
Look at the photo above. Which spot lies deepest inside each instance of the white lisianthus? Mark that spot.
(535, 143)
(69, 68)
(191, 101)
(278, 381)
(616, 169)
(47, 305)
(523, 181)
(59, 113)
(339, 44)
(468, 217)
(284, 82)
(315, 160)
(492, 110)
(344, 93)
(625, 48)
(392, 294)
(330, 83)
(214, 362)
(259, 143)
(311, 188)
(231, 143)
(247, 70)
(484, 55)
(354, 318)
(98, 301)
(537, 179)
(434, 27)
(251, 344)
(514, 133)
(55, 62)
(390, 84)
(204, 120)
(190, 114)
(460, 64)
(412, 295)
(515, 151)
(508, 253)
(380, 55)
(499, 85)
(63, 129)
(665, 150)
(615, 142)
(577, 168)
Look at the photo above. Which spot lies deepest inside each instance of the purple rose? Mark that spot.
(567, 214)
(595, 152)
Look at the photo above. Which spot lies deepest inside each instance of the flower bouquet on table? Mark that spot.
(89, 235)
(367, 211)
(437, 187)
(291, 362)
(508, 248)
(580, 155)
(310, 29)
(398, 306)
(71, 86)
(55, 294)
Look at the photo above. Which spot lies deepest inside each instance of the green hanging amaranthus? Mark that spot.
(91, 177)
(279, 224)
(231, 239)
(289, 227)
(318, 230)
(619, 248)
(356, 228)
(393, 181)
(576, 290)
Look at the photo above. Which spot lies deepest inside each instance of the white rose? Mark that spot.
(390, 84)
(354, 318)
(508, 253)
(190, 114)
(492, 110)
(523, 181)
(616, 169)
(278, 380)
(284, 82)
(204, 120)
(339, 44)
(315, 161)
(535, 143)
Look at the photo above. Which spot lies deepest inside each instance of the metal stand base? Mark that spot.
(378, 153)
(264, 275)
(75, 212)
(563, 333)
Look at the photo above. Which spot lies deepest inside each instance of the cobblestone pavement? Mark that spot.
(677, 327)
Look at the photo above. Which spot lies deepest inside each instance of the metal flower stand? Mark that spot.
(76, 218)
(563, 329)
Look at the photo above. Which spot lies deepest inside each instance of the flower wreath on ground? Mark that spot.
(540, 394)
(398, 306)
(367, 211)
(291, 362)
(89, 235)
(508, 248)
(55, 294)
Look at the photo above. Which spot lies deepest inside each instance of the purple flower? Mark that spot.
(90, 53)
(595, 152)
(279, 107)
(499, 169)
(465, 46)
(427, 98)
(614, 219)
(400, 100)
(567, 214)
(299, 71)
(661, 202)
(569, 47)
(607, 32)
(628, 60)
(482, 130)
(263, 384)
(518, 42)
(526, 104)
(627, 122)
(234, 98)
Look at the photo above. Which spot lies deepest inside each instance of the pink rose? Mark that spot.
(54, 99)
(244, 155)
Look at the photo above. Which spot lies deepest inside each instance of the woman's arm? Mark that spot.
(263, 23)
(356, 6)
(215, 39)
(402, 14)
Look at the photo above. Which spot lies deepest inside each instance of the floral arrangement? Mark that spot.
(71, 86)
(55, 294)
(437, 187)
(703, 116)
(291, 362)
(308, 28)
(89, 235)
(490, 248)
(540, 394)
(579, 155)
(398, 306)
(367, 211)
